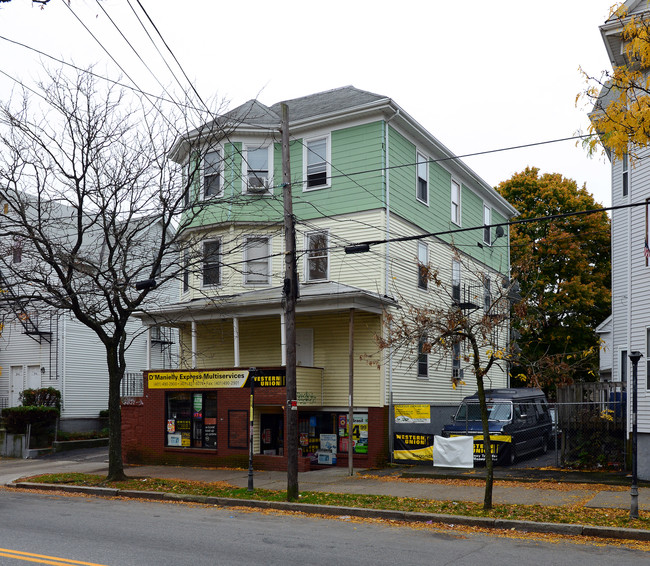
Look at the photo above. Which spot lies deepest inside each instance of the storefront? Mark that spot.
(202, 417)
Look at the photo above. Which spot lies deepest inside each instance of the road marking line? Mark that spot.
(56, 561)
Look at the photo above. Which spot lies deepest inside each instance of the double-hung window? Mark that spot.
(317, 268)
(487, 293)
(455, 202)
(487, 220)
(211, 263)
(455, 361)
(212, 172)
(455, 281)
(423, 357)
(257, 261)
(257, 169)
(422, 179)
(186, 271)
(17, 250)
(625, 175)
(423, 265)
(316, 163)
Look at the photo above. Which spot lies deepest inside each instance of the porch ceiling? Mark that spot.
(314, 297)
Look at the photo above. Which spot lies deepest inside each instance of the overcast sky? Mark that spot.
(479, 75)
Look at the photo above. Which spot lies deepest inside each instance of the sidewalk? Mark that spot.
(391, 482)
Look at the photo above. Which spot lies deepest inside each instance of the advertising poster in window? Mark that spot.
(408, 446)
(359, 433)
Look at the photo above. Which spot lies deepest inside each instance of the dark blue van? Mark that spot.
(518, 419)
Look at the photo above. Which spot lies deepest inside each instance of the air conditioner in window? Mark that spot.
(258, 185)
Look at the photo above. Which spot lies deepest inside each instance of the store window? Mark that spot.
(191, 419)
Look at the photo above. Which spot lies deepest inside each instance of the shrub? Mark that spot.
(17, 418)
(43, 397)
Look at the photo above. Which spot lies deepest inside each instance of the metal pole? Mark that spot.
(251, 376)
(351, 394)
(634, 489)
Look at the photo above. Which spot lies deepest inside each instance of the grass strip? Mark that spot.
(576, 514)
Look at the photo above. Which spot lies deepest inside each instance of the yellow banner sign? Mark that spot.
(197, 379)
(412, 413)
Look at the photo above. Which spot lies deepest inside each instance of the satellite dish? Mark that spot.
(499, 231)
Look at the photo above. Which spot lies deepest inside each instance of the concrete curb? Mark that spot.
(387, 514)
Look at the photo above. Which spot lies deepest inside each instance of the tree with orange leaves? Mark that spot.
(563, 269)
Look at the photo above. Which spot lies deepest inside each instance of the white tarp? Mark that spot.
(456, 452)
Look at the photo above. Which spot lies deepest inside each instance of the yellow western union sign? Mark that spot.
(197, 379)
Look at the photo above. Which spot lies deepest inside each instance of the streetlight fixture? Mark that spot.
(634, 489)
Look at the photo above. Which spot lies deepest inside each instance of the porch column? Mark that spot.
(194, 345)
(148, 341)
(283, 339)
(235, 339)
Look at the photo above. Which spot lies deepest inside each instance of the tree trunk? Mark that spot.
(487, 444)
(115, 374)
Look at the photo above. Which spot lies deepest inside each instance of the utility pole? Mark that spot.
(290, 291)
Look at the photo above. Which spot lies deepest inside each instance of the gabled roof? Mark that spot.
(605, 326)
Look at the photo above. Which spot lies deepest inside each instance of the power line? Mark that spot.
(365, 246)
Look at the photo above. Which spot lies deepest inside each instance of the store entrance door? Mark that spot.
(272, 434)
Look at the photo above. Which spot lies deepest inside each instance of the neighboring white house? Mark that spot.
(42, 346)
(629, 323)
(604, 331)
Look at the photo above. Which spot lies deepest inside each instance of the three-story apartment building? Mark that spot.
(362, 170)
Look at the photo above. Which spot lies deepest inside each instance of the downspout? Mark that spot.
(235, 339)
(386, 171)
(148, 346)
(194, 344)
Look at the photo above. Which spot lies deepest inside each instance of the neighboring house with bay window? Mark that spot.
(628, 327)
(362, 169)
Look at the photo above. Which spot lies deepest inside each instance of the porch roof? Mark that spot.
(314, 297)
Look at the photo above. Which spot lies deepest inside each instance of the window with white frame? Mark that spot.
(317, 259)
(316, 162)
(487, 220)
(455, 281)
(257, 261)
(423, 265)
(17, 250)
(423, 357)
(186, 271)
(625, 175)
(647, 358)
(455, 202)
(422, 190)
(455, 361)
(211, 263)
(257, 167)
(487, 293)
(212, 173)
(646, 243)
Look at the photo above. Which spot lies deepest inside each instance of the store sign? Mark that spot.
(413, 414)
(414, 446)
(196, 379)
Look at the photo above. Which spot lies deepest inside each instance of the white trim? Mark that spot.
(268, 180)
(425, 162)
(457, 220)
(328, 162)
(306, 256)
(202, 276)
(425, 247)
(220, 171)
(269, 240)
(487, 221)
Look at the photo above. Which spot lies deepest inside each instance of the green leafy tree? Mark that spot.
(563, 268)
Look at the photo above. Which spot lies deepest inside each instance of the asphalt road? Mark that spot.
(122, 533)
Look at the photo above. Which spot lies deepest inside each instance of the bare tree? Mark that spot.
(464, 325)
(95, 207)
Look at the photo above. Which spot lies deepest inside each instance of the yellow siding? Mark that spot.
(331, 353)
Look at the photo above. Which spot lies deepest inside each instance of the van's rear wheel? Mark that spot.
(512, 455)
